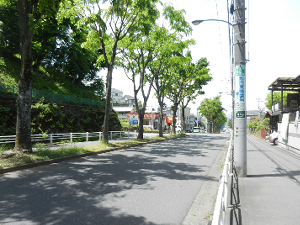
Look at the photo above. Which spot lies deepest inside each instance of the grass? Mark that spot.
(43, 152)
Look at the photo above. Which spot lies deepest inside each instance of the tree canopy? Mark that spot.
(213, 111)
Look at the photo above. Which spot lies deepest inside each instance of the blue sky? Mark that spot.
(273, 45)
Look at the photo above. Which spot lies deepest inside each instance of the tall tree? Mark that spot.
(199, 76)
(214, 113)
(137, 54)
(29, 12)
(110, 23)
(170, 48)
(187, 82)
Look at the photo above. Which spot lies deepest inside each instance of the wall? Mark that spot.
(293, 140)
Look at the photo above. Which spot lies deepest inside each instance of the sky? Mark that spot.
(273, 48)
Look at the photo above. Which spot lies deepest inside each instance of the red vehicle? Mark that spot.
(274, 138)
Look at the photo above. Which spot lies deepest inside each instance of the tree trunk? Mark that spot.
(107, 103)
(23, 131)
(141, 125)
(183, 118)
(161, 117)
(174, 118)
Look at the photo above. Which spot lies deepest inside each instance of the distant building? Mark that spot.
(117, 96)
(129, 100)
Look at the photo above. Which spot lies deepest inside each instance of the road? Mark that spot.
(151, 184)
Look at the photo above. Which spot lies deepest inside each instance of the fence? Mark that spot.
(51, 97)
(64, 136)
(228, 174)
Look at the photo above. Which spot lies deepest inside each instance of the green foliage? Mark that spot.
(258, 123)
(276, 97)
(7, 118)
(213, 111)
(9, 30)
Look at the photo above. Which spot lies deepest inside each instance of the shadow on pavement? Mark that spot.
(76, 191)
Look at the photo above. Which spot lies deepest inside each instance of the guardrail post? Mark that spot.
(120, 134)
(51, 140)
(100, 136)
(87, 136)
(128, 134)
(71, 138)
(110, 135)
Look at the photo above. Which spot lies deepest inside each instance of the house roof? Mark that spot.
(285, 84)
(122, 109)
(128, 97)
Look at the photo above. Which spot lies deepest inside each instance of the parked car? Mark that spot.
(196, 130)
(188, 131)
(274, 138)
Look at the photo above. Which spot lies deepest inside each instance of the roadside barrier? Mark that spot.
(65, 136)
(228, 189)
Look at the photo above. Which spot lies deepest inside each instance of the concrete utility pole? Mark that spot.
(240, 127)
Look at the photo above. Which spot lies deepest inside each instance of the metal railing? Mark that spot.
(65, 136)
(228, 185)
(51, 97)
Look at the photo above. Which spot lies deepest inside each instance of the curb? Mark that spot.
(65, 158)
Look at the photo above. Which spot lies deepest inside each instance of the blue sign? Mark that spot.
(133, 120)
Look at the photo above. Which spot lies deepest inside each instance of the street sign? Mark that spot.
(133, 120)
(240, 114)
(240, 92)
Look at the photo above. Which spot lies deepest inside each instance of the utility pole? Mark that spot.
(240, 127)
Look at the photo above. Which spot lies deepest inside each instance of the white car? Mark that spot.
(196, 130)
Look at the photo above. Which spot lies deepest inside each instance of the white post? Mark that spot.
(51, 140)
(87, 136)
(71, 138)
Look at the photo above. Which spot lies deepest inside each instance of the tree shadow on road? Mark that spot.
(90, 190)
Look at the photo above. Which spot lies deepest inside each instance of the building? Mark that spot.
(117, 96)
(284, 118)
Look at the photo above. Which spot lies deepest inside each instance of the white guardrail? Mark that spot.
(222, 197)
(64, 136)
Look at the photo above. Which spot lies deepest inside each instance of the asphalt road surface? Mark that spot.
(151, 184)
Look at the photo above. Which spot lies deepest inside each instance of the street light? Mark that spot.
(197, 22)
(239, 93)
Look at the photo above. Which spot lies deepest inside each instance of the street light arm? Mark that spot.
(197, 22)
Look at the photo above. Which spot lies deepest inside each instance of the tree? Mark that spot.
(136, 57)
(170, 48)
(200, 76)
(214, 112)
(29, 12)
(187, 82)
(108, 27)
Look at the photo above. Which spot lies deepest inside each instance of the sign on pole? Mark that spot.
(240, 92)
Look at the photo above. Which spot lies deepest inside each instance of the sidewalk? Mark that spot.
(270, 192)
